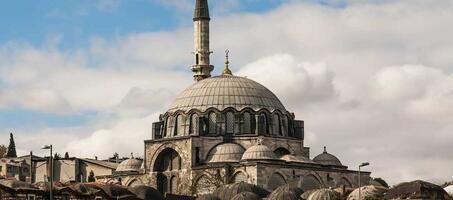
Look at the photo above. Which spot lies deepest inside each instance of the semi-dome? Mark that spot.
(286, 192)
(226, 152)
(368, 192)
(327, 159)
(129, 165)
(259, 152)
(225, 91)
(324, 194)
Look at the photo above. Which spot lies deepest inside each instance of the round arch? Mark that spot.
(239, 176)
(311, 181)
(203, 184)
(275, 180)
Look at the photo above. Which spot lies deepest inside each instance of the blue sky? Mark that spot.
(74, 23)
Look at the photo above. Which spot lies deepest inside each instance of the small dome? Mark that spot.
(286, 192)
(449, 190)
(327, 159)
(226, 91)
(259, 152)
(207, 197)
(324, 194)
(226, 152)
(129, 165)
(416, 190)
(293, 158)
(368, 192)
(227, 192)
(246, 196)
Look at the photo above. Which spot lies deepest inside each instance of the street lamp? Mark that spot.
(360, 166)
(51, 169)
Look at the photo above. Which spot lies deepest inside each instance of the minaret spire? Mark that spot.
(202, 68)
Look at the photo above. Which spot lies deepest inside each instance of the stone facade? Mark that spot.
(226, 129)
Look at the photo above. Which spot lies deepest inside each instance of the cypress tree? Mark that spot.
(11, 148)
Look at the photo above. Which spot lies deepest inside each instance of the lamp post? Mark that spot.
(51, 169)
(360, 166)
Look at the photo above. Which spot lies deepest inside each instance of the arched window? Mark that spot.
(239, 177)
(194, 124)
(275, 180)
(285, 125)
(197, 59)
(229, 123)
(167, 160)
(212, 123)
(247, 123)
(180, 124)
(276, 124)
(173, 185)
(170, 126)
(263, 124)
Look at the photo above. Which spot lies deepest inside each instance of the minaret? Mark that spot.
(202, 68)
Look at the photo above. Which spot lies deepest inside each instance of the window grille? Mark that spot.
(229, 123)
(212, 122)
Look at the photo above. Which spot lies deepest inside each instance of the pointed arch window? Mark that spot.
(247, 123)
(180, 125)
(212, 123)
(276, 124)
(229, 125)
(170, 126)
(285, 125)
(194, 124)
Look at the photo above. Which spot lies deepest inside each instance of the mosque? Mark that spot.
(227, 129)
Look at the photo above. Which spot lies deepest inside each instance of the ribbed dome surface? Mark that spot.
(131, 164)
(227, 192)
(226, 91)
(449, 190)
(259, 152)
(286, 192)
(324, 194)
(368, 192)
(227, 152)
(327, 159)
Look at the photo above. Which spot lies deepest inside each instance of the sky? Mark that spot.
(373, 80)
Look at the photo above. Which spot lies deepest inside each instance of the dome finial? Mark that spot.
(227, 71)
(132, 154)
(325, 149)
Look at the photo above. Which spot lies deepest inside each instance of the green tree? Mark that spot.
(3, 150)
(11, 148)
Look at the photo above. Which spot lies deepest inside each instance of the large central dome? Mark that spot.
(226, 91)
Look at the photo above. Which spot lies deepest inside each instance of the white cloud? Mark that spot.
(373, 81)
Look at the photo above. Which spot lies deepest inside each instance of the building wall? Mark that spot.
(87, 167)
